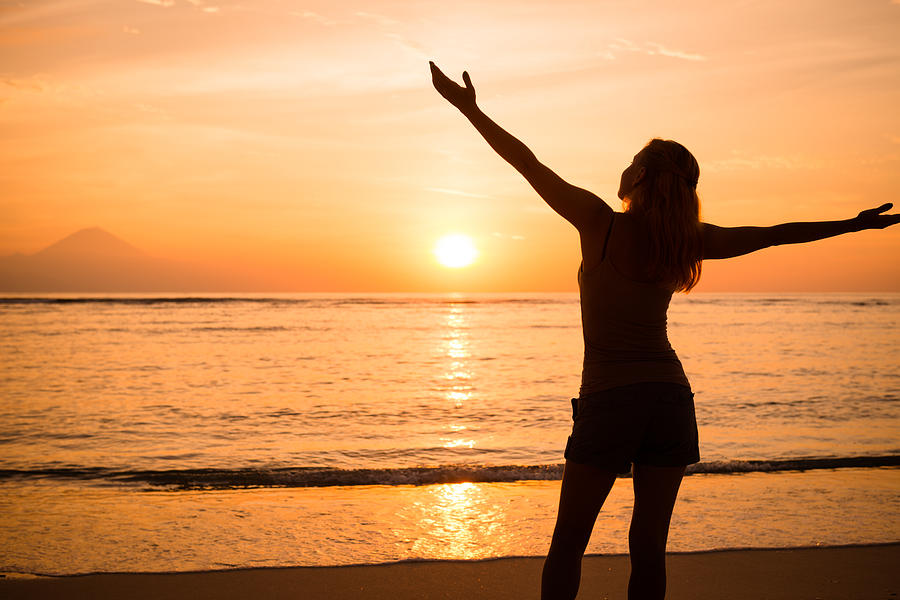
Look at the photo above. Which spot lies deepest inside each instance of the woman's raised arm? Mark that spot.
(728, 242)
(580, 207)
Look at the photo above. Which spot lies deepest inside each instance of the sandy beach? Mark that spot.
(852, 573)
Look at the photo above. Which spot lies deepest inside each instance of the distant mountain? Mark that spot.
(94, 260)
(89, 243)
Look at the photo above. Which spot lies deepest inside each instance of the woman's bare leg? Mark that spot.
(655, 489)
(584, 489)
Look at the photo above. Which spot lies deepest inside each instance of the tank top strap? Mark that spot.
(612, 219)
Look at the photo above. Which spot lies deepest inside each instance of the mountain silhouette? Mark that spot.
(90, 242)
(94, 260)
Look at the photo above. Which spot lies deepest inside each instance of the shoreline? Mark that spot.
(106, 531)
(856, 572)
(20, 575)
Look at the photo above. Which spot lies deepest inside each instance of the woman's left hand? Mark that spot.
(462, 98)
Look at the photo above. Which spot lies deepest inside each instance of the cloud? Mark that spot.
(313, 16)
(504, 236)
(163, 3)
(410, 44)
(455, 192)
(660, 49)
(380, 19)
(149, 108)
(131, 30)
(199, 4)
(623, 44)
(880, 159)
(739, 162)
(31, 84)
(649, 48)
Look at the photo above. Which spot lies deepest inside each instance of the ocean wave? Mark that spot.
(859, 300)
(435, 300)
(244, 329)
(200, 479)
(137, 300)
(310, 301)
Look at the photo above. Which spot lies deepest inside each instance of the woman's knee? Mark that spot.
(646, 545)
(570, 541)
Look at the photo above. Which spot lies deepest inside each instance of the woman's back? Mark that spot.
(623, 313)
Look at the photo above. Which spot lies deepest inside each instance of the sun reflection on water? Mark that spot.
(459, 444)
(459, 520)
(456, 519)
(456, 346)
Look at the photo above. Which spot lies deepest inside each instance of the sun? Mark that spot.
(455, 250)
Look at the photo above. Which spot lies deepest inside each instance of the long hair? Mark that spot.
(666, 200)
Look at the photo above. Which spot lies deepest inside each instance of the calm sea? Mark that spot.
(172, 433)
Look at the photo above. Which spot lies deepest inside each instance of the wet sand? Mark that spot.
(852, 572)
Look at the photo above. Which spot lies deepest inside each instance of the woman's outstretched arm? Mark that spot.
(578, 206)
(727, 242)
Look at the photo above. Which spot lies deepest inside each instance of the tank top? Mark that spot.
(624, 324)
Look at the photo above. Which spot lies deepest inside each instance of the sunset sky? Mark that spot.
(303, 140)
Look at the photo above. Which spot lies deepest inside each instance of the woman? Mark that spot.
(635, 408)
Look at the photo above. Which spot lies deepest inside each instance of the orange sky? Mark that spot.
(303, 139)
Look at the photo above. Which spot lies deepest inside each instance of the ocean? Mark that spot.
(172, 433)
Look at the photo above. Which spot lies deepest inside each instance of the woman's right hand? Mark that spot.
(873, 219)
(462, 98)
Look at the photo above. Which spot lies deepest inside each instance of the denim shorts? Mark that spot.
(643, 423)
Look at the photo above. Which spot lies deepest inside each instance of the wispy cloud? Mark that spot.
(163, 3)
(200, 4)
(149, 108)
(741, 162)
(131, 30)
(31, 84)
(660, 49)
(377, 18)
(505, 236)
(313, 16)
(408, 43)
(650, 48)
(881, 159)
(455, 192)
(624, 45)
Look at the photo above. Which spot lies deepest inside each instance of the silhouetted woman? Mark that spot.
(635, 405)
